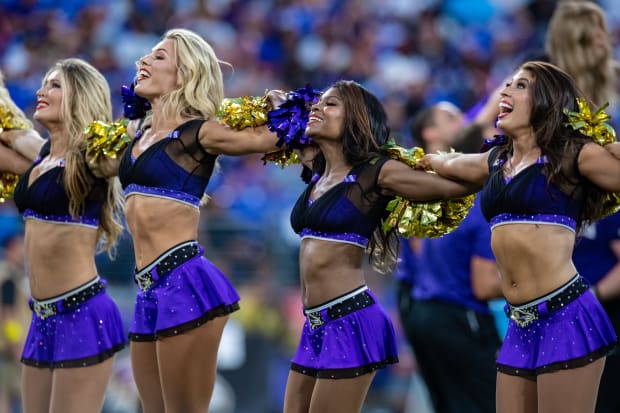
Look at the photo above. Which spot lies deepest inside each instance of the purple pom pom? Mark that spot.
(290, 119)
(134, 106)
(489, 143)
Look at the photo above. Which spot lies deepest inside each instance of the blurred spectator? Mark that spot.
(445, 315)
(14, 320)
(597, 258)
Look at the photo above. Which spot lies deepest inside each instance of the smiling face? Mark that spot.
(157, 71)
(49, 99)
(516, 103)
(327, 116)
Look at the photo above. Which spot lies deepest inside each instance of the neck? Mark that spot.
(59, 143)
(160, 122)
(335, 162)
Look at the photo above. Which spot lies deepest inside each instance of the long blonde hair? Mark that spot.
(199, 78)
(86, 97)
(7, 103)
(579, 42)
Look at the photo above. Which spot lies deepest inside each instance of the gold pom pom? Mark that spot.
(423, 219)
(8, 181)
(9, 121)
(244, 112)
(103, 139)
(283, 157)
(591, 124)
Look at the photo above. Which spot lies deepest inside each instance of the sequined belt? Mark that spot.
(68, 301)
(339, 307)
(166, 262)
(525, 314)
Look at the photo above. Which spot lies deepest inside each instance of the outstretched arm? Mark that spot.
(458, 166)
(26, 142)
(11, 161)
(396, 178)
(218, 138)
(600, 166)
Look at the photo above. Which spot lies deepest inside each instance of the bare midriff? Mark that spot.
(157, 224)
(329, 269)
(59, 257)
(533, 259)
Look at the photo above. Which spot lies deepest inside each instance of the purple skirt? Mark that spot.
(357, 343)
(574, 336)
(187, 297)
(88, 334)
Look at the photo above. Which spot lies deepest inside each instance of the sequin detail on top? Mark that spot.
(183, 197)
(542, 219)
(348, 212)
(345, 238)
(176, 167)
(45, 198)
(527, 197)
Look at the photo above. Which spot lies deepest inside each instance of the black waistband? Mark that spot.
(167, 262)
(554, 301)
(340, 309)
(48, 308)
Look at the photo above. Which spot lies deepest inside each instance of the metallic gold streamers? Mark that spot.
(283, 157)
(596, 127)
(107, 139)
(422, 219)
(9, 121)
(8, 181)
(591, 124)
(244, 112)
(611, 203)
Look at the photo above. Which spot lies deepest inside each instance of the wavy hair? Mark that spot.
(365, 130)
(86, 97)
(579, 42)
(553, 90)
(200, 86)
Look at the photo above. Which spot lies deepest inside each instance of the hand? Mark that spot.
(614, 149)
(306, 154)
(276, 97)
(424, 164)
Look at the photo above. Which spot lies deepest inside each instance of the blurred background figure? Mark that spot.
(447, 320)
(14, 320)
(597, 258)
(579, 41)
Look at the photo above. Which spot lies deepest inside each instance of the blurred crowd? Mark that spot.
(410, 53)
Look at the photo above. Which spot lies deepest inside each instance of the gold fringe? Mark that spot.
(423, 219)
(106, 139)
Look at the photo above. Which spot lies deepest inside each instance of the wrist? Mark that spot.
(596, 292)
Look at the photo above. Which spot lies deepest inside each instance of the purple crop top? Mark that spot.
(45, 198)
(349, 212)
(176, 167)
(526, 198)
